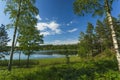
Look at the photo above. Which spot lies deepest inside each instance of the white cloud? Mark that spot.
(52, 26)
(68, 24)
(42, 26)
(72, 30)
(45, 33)
(38, 17)
(68, 41)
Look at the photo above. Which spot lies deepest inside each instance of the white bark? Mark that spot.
(115, 43)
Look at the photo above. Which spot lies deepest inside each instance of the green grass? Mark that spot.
(57, 69)
(41, 62)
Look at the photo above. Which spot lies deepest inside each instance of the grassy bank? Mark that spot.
(40, 62)
(57, 69)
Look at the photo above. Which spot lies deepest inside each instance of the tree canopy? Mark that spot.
(22, 13)
(96, 7)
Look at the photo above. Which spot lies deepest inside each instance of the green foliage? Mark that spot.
(106, 54)
(117, 28)
(4, 39)
(4, 63)
(103, 34)
(82, 49)
(86, 41)
(95, 7)
(29, 39)
(23, 15)
(97, 40)
(58, 47)
(103, 69)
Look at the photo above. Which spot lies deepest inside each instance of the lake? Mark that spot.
(40, 54)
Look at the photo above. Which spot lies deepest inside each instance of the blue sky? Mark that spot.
(57, 20)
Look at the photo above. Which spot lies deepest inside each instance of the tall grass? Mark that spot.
(57, 69)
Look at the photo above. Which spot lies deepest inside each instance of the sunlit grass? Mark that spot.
(57, 69)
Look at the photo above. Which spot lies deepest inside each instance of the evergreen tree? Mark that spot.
(103, 35)
(82, 46)
(86, 41)
(99, 7)
(117, 28)
(90, 38)
(4, 39)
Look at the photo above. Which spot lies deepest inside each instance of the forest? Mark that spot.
(96, 56)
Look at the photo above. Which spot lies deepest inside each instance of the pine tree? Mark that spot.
(117, 29)
(82, 46)
(103, 35)
(90, 38)
(86, 41)
(99, 7)
(4, 39)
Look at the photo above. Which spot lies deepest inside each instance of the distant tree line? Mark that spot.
(59, 47)
(65, 47)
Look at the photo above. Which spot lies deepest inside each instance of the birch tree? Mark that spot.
(20, 11)
(99, 7)
(29, 39)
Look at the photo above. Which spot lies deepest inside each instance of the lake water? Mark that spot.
(41, 54)
(38, 55)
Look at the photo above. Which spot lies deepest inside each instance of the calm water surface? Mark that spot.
(37, 55)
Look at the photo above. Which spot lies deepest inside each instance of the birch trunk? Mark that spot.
(115, 43)
(12, 50)
(114, 39)
(14, 37)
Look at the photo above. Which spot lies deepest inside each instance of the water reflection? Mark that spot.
(41, 54)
